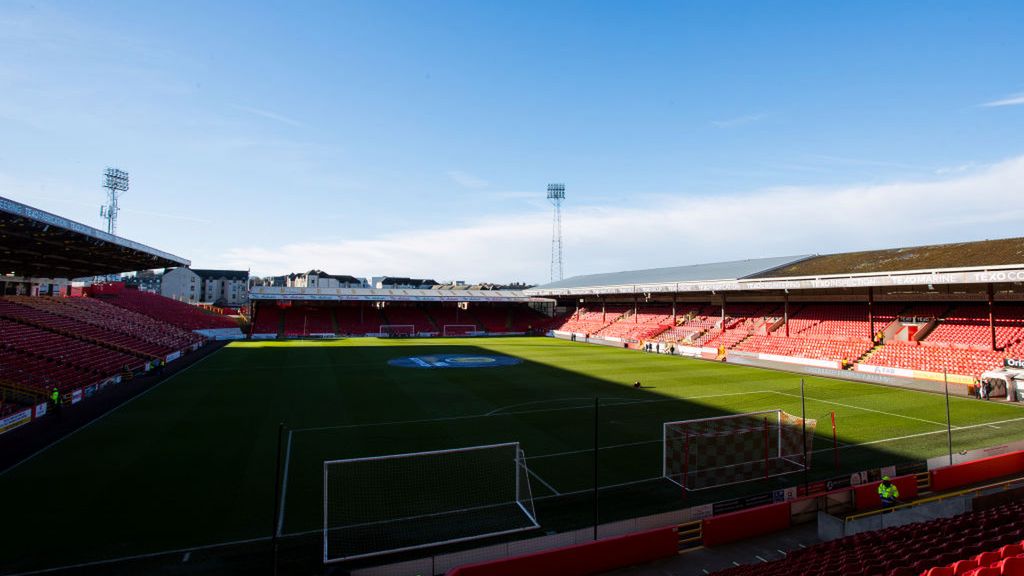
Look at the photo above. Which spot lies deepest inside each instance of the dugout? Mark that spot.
(1006, 383)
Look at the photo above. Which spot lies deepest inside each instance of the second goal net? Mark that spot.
(460, 330)
(710, 452)
(398, 330)
(403, 502)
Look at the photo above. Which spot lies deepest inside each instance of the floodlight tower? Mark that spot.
(116, 183)
(556, 194)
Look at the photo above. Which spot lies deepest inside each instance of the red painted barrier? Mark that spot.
(866, 497)
(968, 473)
(582, 559)
(745, 524)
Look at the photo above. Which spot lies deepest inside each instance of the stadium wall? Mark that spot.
(583, 559)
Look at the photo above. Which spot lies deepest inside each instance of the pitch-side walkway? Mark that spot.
(23, 442)
(707, 560)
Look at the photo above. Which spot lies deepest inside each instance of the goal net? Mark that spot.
(402, 502)
(460, 329)
(710, 452)
(398, 329)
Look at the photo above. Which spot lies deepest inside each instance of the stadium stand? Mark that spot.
(586, 321)
(172, 312)
(645, 324)
(408, 315)
(910, 549)
(306, 320)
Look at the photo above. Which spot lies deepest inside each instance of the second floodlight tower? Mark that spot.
(116, 183)
(556, 195)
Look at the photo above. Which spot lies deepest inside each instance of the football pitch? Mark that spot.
(192, 462)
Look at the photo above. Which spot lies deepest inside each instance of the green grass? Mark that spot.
(192, 462)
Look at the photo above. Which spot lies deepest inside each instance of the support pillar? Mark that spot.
(673, 309)
(603, 312)
(871, 313)
(722, 329)
(991, 314)
(785, 312)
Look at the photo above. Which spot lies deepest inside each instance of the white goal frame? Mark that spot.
(475, 329)
(383, 330)
(774, 421)
(519, 469)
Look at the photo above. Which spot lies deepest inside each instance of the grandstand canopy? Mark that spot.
(271, 293)
(38, 244)
(982, 262)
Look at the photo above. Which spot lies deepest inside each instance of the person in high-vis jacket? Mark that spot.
(888, 492)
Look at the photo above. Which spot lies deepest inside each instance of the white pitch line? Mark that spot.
(541, 480)
(851, 406)
(541, 411)
(142, 556)
(284, 484)
(108, 412)
(920, 434)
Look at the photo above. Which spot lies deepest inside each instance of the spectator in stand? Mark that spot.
(888, 493)
(55, 398)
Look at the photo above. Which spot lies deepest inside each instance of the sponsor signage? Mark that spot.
(14, 420)
(76, 396)
(173, 356)
(1013, 363)
(40, 410)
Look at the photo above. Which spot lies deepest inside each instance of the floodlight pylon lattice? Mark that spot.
(556, 195)
(116, 183)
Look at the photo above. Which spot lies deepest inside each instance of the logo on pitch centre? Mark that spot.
(455, 361)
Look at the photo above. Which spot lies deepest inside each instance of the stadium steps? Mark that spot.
(864, 357)
(690, 535)
(433, 323)
(924, 482)
(280, 323)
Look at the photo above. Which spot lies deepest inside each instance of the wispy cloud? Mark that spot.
(738, 121)
(270, 115)
(467, 180)
(769, 222)
(1011, 100)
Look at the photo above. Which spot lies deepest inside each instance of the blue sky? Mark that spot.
(418, 137)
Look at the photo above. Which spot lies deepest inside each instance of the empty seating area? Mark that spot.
(306, 320)
(407, 315)
(936, 357)
(184, 316)
(645, 324)
(452, 315)
(39, 359)
(586, 321)
(965, 542)
(816, 348)
(523, 319)
(831, 321)
(358, 320)
(267, 319)
(91, 318)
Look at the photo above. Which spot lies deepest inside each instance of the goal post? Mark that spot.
(710, 452)
(398, 329)
(460, 330)
(401, 502)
